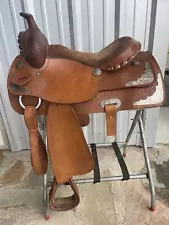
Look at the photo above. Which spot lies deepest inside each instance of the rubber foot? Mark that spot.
(124, 155)
(153, 209)
(47, 217)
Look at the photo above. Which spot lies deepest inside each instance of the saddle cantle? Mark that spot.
(66, 86)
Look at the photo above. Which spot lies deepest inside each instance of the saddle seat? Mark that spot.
(113, 57)
(35, 49)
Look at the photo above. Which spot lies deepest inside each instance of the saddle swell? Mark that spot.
(67, 86)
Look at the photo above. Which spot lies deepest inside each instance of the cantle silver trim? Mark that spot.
(146, 78)
(157, 96)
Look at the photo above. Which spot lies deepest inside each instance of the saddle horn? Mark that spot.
(32, 43)
(30, 20)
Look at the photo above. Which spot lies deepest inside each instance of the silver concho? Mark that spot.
(96, 72)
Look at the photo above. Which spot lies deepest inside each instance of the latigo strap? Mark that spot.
(111, 120)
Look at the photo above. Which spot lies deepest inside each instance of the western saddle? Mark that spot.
(68, 85)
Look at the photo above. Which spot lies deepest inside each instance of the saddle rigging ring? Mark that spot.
(22, 105)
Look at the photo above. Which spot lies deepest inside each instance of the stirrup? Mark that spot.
(66, 203)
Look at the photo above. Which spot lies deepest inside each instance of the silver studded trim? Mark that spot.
(37, 73)
(117, 67)
(114, 101)
(146, 78)
(96, 72)
(124, 63)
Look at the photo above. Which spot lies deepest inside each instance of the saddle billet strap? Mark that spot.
(65, 203)
(37, 147)
(111, 121)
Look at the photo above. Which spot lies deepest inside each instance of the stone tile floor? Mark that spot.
(115, 203)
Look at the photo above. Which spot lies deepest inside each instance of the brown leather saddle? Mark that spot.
(66, 86)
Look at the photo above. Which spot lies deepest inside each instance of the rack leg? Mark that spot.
(45, 197)
(135, 120)
(147, 162)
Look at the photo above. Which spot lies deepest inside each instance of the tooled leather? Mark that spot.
(19, 77)
(72, 82)
(37, 84)
(84, 86)
(127, 96)
(119, 79)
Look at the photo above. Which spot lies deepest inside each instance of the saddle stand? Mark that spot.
(66, 86)
(125, 174)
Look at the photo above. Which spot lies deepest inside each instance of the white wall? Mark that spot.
(3, 136)
(1, 140)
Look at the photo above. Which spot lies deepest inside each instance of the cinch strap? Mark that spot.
(126, 175)
(96, 164)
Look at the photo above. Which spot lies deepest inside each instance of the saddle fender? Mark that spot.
(68, 150)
